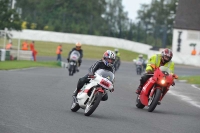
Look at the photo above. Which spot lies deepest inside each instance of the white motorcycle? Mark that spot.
(91, 94)
(140, 66)
(73, 62)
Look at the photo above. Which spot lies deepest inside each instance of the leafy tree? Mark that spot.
(99, 17)
(9, 18)
(157, 20)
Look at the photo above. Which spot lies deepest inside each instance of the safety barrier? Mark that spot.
(101, 41)
(22, 55)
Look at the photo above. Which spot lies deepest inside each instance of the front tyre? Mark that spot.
(71, 70)
(154, 103)
(91, 106)
(138, 103)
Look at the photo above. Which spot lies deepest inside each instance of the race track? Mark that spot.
(38, 100)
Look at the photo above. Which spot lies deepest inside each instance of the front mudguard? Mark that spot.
(144, 95)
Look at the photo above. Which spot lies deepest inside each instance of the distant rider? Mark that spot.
(105, 63)
(117, 53)
(163, 59)
(77, 48)
(140, 58)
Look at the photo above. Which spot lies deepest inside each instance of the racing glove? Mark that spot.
(175, 76)
(91, 75)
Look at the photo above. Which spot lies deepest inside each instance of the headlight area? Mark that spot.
(162, 81)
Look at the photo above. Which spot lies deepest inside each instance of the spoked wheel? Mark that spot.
(138, 103)
(93, 104)
(74, 107)
(153, 102)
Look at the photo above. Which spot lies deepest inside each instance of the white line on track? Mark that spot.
(195, 87)
(185, 98)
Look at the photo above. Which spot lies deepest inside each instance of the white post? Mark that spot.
(18, 48)
(5, 33)
(13, 4)
(12, 7)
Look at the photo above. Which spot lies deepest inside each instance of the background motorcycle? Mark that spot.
(92, 93)
(73, 62)
(155, 88)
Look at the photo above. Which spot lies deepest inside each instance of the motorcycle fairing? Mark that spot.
(83, 94)
(144, 96)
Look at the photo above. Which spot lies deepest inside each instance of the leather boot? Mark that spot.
(139, 89)
(75, 93)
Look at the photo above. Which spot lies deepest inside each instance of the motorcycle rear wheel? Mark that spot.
(155, 100)
(139, 104)
(90, 108)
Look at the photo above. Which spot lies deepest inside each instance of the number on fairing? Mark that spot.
(105, 83)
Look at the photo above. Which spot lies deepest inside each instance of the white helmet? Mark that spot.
(140, 56)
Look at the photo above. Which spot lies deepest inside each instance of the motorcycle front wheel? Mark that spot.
(71, 70)
(154, 100)
(139, 71)
(93, 104)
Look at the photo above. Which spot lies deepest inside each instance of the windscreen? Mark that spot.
(165, 69)
(106, 74)
(139, 62)
(74, 55)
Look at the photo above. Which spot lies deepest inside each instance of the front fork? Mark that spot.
(95, 90)
(164, 91)
(91, 96)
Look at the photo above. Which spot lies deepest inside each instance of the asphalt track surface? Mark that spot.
(38, 100)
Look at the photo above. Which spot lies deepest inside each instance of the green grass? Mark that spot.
(49, 49)
(7, 65)
(90, 52)
(191, 79)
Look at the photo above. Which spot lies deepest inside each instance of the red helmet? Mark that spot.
(167, 55)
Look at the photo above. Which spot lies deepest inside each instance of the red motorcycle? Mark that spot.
(155, 88)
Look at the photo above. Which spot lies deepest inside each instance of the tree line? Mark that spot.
(95, 17)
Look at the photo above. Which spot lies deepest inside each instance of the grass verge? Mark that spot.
(7, 65)
(191, 79)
